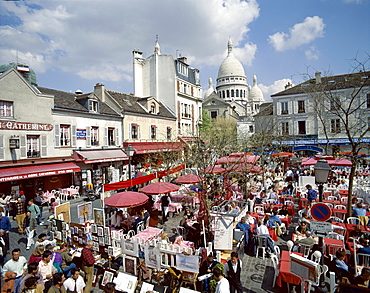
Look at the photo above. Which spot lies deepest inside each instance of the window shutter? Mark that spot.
(57, 135)
(150, 132)
(2, 150)
(44, 146)
(88, 136)
(74, 139)
(23, 146)
(130, 130)
(308, 130)
(116, 132)
(138, 132)
(106, 136)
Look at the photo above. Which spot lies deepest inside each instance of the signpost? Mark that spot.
(320, 212)
(320, 228)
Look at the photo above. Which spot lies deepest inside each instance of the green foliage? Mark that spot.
(206, 125)
(213, 282)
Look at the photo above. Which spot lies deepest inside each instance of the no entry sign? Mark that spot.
(320, 212)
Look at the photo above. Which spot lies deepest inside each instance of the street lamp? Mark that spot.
(129, 152)
(322, 170)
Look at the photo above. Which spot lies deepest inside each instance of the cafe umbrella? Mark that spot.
(126, 199)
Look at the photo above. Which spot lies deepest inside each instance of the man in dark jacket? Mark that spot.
(311, 194)
(165, 202)
(232, 272)
(206, 268)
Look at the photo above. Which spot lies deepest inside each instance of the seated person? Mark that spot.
(302, 228)
(189, 215)
(138, 220)
(365, 249)
(244, 226)
(342, 267)
(307, 209)
(306, 241)
(234, 209)
(285, 191)
(356, 233)
(284, 211)
(269, 209)
(249, 219)
(269, 223)
(274, 217)
(304, 218)
(164, 239)
(262, 230)
(363, 278)
(354, 202)
(273, 194)
(116, 219)
(359, 210)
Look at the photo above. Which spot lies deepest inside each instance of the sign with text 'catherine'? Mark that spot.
(10, 125)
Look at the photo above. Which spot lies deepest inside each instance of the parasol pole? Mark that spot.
(204, 234)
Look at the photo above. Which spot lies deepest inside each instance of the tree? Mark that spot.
(343, 108)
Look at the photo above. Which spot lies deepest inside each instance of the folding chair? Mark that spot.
(304, 249)
(261, 244)
(353, 220)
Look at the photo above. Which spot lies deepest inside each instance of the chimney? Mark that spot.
(288, 85)
(78, 92)
(99, 91)
(318, 77)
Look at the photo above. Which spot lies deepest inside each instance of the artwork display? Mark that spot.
(85, 211)
(106, 231)
(152, 257)
(130, 265)
(129, 247)
(101, 241)
(100, 231)
(108, 277)
(94, 229)
(99, 217)
(125, 283)
(107, 240)
(187, 263)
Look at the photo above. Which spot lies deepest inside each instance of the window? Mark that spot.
(94, 135)
(285, 128)
(301, 107)
(250, 128)
(111, 136)
(169, 133)
(237, 93)
(6, 109)
(65, 138)
(284, 108)
(335, 125)
(33, 146)
(134, 131)
(223, 94)
(153, 132)
(213, 114)
(232, 93)
(227, 93)
(301, 127)
(93, 106)
(334, 103)
(152, 108)
(368, 101)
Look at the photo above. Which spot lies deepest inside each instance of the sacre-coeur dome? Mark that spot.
(231, 66)
(255, 93)
(210, 89)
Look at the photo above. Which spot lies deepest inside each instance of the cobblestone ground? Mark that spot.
(257, 274)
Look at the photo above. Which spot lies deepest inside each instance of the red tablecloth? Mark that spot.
(285, 197)
(174, 207)
(148, 234)
(273, 234)
(329, 243)
(303, 202)
(290, 209)
(284, 273)
(287, 221)
(343, 192)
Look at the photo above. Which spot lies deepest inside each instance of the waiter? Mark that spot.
(232, 272)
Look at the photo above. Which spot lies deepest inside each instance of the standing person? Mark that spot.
(75, 283)
(18, 265)
(67, 264)
(232, 270)
(34, 209)
(88, 261)
(6, 226)
(110, 287)
(46, 269)
(3, 248)
(244, 226)
(165, 202)
(29, 225)
(222, 283)
(311, 194)
(33, 271)
(206, 268)
(20, 214)
(40, 201)
(56, 258)
(57, 284)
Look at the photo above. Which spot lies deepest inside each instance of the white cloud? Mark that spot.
(300, 34)
(312, 53)
(89, 37)
(274, 88)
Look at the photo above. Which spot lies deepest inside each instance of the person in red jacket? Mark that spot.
(88, 261)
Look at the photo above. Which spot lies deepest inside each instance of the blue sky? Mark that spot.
(76, 44)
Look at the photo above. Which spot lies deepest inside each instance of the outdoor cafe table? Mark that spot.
(282, 198)
(189, 199)
(290, 209)
(303, 202)
(148, 234)
(285, 274)
(174, 207)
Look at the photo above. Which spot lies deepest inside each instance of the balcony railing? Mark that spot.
(33, 154)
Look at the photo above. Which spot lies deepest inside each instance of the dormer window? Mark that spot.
(93, 106)
(152, 108)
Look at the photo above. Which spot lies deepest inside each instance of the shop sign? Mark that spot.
(81, 133)
(35, 175)
(9, 125)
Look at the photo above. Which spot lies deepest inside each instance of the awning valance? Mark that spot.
(99, 156)
(27, 172)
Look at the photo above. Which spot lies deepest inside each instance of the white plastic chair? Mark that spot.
(275, 263)
(330, 205)
(344, 199)
(181, 231)
(304, 249)
(340, 207)
(334, 235)
(261, 244)
(140, 227)
(277, 251)
(316, 256)
(130, 234)
(363, 259)
(336, 219)
(288, 202)
(322, 270)
(259, 210)
(271, 201)
(290, 245)
(353, 220)
(332, 197)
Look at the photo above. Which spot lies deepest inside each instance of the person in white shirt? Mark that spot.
(75, 283)
(116, 219)
(262, 230)
(232, 270)
(223, 284)
(18, 265)
(46, 267)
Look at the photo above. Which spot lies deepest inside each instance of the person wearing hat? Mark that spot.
(22, 196)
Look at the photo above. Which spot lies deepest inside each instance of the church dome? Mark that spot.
(230, 66)
(210, 89)
(255, 93)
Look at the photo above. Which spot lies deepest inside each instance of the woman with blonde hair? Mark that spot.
(36, 256)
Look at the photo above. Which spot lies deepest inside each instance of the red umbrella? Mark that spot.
(160, 187)
(289, 155)
(126, 199)
(360, 154)
(235, 160)
(331, 162)
(188, 179)
(213, 169)
(245, 168)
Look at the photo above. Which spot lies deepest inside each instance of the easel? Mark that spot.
(190, 278)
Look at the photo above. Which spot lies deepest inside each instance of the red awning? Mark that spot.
(154, 147)
(19, 173)
(99, 156)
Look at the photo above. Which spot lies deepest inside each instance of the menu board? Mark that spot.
(224, 227)
(304, 268)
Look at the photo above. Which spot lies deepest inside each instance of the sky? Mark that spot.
(75, 44)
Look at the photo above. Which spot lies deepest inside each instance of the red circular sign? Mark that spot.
(320, 212)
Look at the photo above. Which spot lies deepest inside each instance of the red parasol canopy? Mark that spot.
(360, 154)
(245, 168)
(188, 179)
(235, 160)
(160, 187)
(126, 199)
(212, 169)
(331, 162)
(288, 155)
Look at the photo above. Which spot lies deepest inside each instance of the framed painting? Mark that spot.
(99, 217)
(130, 265)
(107, 277)
(100, 231)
